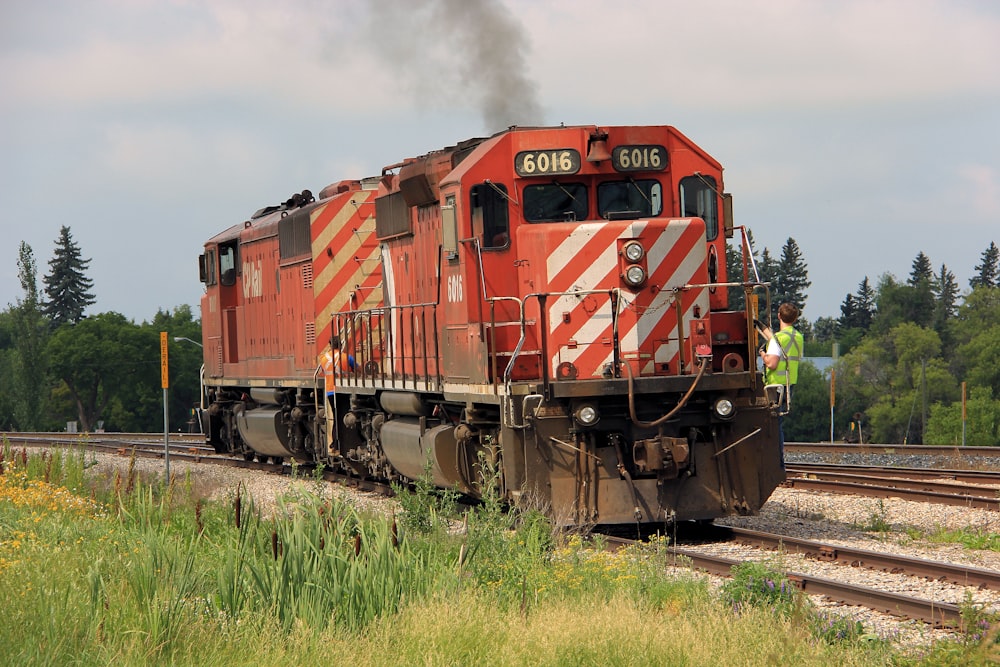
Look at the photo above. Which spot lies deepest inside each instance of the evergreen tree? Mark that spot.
(988, 271)
(734, 274)
(825, 329)
(734, 270)
(918, 294)
(766, 269)
(865, 300)
(790, 278)
(921, 270)
(66, 285)
(856, 314)
(848, 312)
(945, 290)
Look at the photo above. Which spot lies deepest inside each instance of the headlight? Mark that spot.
(635, 275)
(634, 251)
(724, 408)
(586, 415)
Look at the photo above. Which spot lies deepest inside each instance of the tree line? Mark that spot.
(102, 371)
(905, 348)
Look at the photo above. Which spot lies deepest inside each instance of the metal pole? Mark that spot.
(833, 384)
(166, 435)
(923, 416)
(963, 414)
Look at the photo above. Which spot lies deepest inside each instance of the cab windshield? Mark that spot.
(631, 199)
(555, 202)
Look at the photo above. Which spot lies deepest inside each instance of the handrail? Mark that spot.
(346, 321)
(541, 296)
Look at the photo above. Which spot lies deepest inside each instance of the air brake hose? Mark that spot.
(684, 399)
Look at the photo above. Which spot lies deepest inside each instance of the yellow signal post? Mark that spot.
(165, 383)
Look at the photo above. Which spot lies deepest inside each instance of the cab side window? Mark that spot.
(699, 200)
(206, 267)
(227, 265)
(489, 206)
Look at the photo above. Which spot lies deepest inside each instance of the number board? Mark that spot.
(547, 162)
(639, 158)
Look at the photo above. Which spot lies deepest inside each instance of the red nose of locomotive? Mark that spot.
(616, 292)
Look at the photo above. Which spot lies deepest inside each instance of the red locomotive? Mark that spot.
(544, 310)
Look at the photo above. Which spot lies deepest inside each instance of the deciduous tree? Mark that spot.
(977, 339)
(100, 359)
(982, 421)
(28, 361)
(809, 420)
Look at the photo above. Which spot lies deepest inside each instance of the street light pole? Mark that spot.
(180, 338)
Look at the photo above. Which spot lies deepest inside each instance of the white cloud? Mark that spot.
(787, 54)
(854, 126)
(267, 55)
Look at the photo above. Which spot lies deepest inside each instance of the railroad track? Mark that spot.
(964, 489)
(108, 441)
(938, 614)
(190, 448)
(963, 453)
(982, 477)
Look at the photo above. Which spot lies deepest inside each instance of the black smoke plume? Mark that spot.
(457, 52)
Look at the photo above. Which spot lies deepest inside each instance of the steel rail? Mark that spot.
(960, 575)
(108, 442)
(938, 614)
(958, 452)
(987, 477)
(124, 446)
(910, 484)
(882, 491)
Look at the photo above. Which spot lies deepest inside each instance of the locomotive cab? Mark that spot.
(555, 306)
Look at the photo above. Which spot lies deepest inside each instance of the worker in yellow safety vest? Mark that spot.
(781, 364)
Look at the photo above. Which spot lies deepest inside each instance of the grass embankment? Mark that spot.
(131, 572)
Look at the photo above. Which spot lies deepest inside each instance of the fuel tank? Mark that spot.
(262, 430)
(408, 450)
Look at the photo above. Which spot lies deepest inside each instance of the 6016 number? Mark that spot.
(542, 163)
(639, 158)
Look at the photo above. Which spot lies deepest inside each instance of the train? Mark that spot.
(541, 314)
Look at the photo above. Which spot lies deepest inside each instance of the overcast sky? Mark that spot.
(868, 131)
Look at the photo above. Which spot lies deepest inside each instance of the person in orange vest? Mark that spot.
(332, 359)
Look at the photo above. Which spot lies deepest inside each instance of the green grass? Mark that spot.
(129, 571)
(973, 538)
(878, 520)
